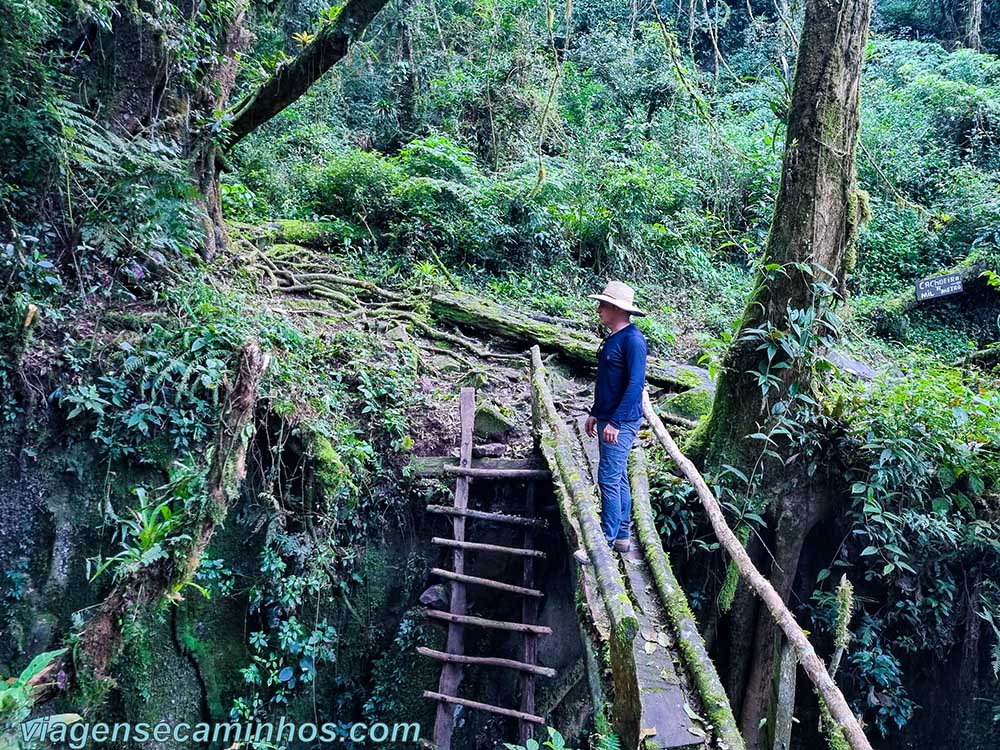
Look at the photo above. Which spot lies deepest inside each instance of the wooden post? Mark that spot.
(529, 615)
(451, 674)
(784, 706)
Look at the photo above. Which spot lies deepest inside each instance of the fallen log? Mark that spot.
(100, 640)
(577, 346)
(806, 655)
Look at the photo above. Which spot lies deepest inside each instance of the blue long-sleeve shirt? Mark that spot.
(621, 372)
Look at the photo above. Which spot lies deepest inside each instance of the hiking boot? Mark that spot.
(581, 557)
(622, 545)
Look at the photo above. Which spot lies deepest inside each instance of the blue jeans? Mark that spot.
(612, 478)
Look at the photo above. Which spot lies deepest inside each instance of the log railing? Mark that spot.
(812, 665)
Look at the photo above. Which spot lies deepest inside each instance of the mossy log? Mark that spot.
(700, 667)
(577, 346)
(292, 79)
(845, 720)
(580, 517)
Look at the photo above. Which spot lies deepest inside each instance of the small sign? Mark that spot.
(939, 286)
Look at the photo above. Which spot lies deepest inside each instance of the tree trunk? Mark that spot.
(972, 25)
(816, 211)
(799, 514)
(142, 90)
(816, 214)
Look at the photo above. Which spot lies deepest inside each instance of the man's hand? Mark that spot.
(590, 427)
(610, 434)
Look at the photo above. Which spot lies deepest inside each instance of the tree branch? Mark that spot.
(291, 81)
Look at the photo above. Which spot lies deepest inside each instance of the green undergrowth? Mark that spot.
(917, 451)
(332, 429)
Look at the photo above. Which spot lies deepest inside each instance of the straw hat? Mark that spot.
(620, 295)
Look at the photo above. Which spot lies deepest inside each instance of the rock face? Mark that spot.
(48, 511)
(850, 365)
(489, 450)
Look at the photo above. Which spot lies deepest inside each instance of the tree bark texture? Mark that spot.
(816, 211)
(143, 91)
(815, 218)
(972, 25)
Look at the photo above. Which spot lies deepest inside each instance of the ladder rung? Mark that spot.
(434, 466)
(488, 547)
(474, 471)
(517, 627)
(486, 661)
(499, 517)
(508, 587)
(485, 707)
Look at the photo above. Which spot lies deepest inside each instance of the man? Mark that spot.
(617, 410)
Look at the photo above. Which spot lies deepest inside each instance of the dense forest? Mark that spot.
(251, 250)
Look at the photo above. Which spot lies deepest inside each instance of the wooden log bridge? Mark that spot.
(666, 692)
(662, 688)
(454, 658)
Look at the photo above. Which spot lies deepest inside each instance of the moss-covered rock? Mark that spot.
(210, 632)
(491, 423)
(693, 404)
(155, 681)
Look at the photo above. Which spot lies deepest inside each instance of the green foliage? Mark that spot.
(555, 741)
(30, 281)
(151, 532)
(882, 673)
(930, 127)
(163, 393)
(16, 693)
(392, 695)
(604, 737)
(429, 144)
(929, 442)
(921, 447)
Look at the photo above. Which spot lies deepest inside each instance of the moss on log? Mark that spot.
(580, 515)
(702, 670)
(812, 665)
(577, 346)
(318, 234)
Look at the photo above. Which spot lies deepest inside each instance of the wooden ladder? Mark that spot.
(457, 617)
